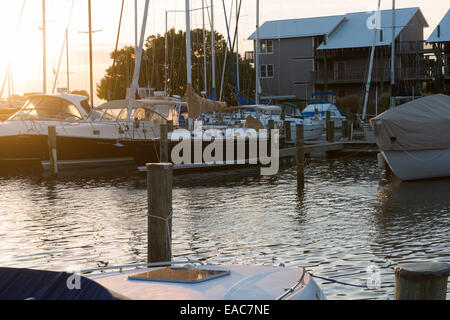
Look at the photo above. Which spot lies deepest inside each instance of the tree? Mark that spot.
(114, 84)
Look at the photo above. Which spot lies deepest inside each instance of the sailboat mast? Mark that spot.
(91, 74)
(135, 26)
(205, 75)
(213, 50)
(166, 58)
(137, 66)
(372, 53)
(44, 50)
(393, 56)
(67, 59)
(257, 54)
(188, 44)
(237, 44)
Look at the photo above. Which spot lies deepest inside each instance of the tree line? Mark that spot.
(114, 84)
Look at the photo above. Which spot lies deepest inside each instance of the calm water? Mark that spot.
(348, 218)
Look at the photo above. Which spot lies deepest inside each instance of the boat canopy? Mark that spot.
(144, 109)
(421, 124)
(54, 108)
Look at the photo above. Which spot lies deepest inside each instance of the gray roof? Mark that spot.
(297, 28)
(354, 32)
(445, 30)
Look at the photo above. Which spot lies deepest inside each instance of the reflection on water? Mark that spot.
(347, 219)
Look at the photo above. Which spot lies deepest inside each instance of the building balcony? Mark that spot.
(378, 75)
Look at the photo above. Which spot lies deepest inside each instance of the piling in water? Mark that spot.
(164, 144)
(159, 197)
(52, 148)
(344, 129)
(330, 131)
(421, 281)
(300, 155)
(287, 131)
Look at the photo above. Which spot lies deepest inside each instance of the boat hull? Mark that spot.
(148, 151)
(35, 148)
(242, 283)
(419, 165)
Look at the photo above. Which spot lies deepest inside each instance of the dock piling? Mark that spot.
(300, 155)
(344, 129)
(159, 197)
(330, 131)
(421, 281)
(52, 148)
(287, 131)
(164, 144)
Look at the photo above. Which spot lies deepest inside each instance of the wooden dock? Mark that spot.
(322, 148)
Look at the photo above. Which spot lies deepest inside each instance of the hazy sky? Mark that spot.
(25, 47)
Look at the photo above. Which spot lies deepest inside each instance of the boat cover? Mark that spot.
(197, 105)
(421, 124)
(21, 284)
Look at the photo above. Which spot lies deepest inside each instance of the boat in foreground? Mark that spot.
(162, 281)
(414, 138)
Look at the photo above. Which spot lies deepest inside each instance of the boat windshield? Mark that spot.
(154, 113)
(48, 108)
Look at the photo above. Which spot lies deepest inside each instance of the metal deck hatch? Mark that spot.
(180, 274)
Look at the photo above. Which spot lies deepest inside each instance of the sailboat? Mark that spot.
(85, 135)
(366, 127)
(257, 111)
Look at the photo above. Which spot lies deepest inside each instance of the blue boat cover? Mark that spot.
(21, 284)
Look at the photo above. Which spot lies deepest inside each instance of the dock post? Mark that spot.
(287, 131)
(421, 281)
(344, 129)
(330, 131)
(163, 144)
(270, 127)
(52, 148)
(300, 155)
(170, 126)
(159, 197)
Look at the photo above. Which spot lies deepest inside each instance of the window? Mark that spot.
(266, 46)
(48, 108)
(266, 71)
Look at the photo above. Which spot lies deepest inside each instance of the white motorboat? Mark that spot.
(317, 109)
(162, 281)
(313, 129)
(210, 282)
(83, 133)
(414, 138)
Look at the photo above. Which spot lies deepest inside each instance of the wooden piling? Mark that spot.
(330, 131)
(421, 281)
(328, 115)
(300, 155)
(52, 148)
(287, 131)
(344, 129)
(164, 144)
(159, 196)
(170, 126)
